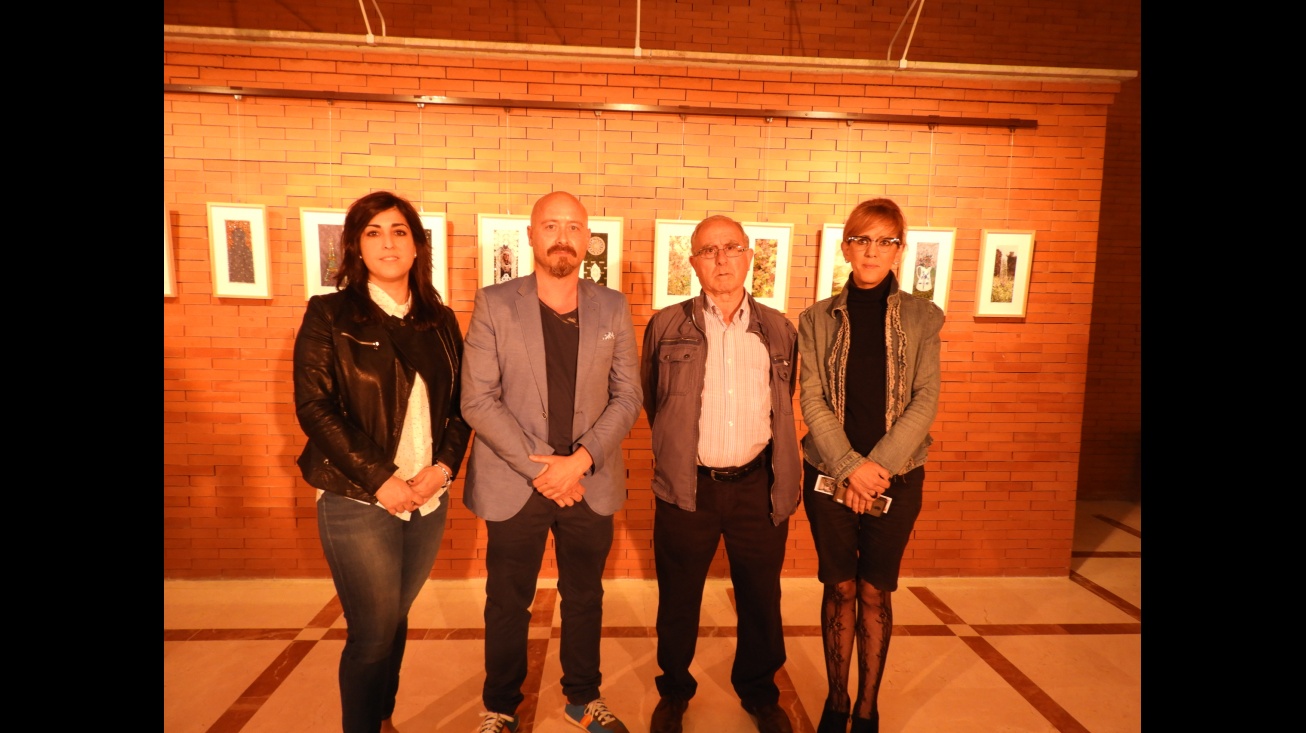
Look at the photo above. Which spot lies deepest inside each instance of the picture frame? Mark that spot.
(437, 233)
(504, 246)
(1006, 259)
(674, 280)
(926, 267)
(320, 230)
(602, 262)
(238, 244)
(832, 270)
(320, 233)
(768, 279)
(169, 264)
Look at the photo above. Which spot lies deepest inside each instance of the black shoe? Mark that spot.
(867, 725)
(667, 715)
(771, 719)
(833, 722)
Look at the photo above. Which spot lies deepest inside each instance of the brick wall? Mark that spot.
(1002, 477)
(1068, 33)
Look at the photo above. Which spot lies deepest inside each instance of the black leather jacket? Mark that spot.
(352, 389)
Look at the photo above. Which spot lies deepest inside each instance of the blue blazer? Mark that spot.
(505, 395)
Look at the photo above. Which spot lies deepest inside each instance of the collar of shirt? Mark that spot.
(388, 304)
(741, 317)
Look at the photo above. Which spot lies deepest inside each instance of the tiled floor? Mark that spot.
(969, 654)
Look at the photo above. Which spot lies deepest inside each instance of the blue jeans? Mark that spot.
(378, 563)
(514, 551)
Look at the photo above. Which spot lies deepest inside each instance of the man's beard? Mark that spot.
(562, 267)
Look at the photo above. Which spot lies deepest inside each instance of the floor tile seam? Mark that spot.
(251, 700)
(1106, 595)
(705, 631)
(792, 704)
(1119, 525)
(1036, 696)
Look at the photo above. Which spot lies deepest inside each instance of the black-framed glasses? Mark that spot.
(731, 250)
(882, 244)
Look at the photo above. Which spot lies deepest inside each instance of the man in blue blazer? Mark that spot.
(550, 383)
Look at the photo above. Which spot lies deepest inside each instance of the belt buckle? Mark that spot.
(726, 476)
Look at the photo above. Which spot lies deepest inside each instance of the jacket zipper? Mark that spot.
(355, 339)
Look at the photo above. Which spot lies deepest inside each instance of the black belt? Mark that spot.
(734, 473)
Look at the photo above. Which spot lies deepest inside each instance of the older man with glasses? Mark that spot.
(718, 378)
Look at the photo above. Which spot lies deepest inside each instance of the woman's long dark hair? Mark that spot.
(426, 310)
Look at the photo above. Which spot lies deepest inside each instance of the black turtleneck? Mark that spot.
(866, 380)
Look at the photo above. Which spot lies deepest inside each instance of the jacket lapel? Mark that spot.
(532, 331)
(590, 325)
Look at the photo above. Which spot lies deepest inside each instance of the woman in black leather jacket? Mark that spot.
(377, 393)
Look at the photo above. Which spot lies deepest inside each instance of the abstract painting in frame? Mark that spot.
(169, 265)
(321, 230)
(769, 279)
(674, 279)
(832, 270)
(602, 262)
(238, 243)
(505, 248)
(926, 269)
(1002, 288)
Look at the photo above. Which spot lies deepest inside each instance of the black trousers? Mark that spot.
(683, 545)
(514, 551)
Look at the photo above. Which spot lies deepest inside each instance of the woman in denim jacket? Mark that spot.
(869, 390)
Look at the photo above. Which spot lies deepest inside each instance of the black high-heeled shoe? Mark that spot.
(867, 725)
(832, 722)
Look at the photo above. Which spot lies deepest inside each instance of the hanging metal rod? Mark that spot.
(924, 120)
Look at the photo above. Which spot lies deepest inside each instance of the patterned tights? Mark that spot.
(856, 609)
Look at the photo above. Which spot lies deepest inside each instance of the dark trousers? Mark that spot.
(683, 545)
(378, 564)
(515, 549)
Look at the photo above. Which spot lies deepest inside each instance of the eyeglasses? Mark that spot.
(731, 250)
(883, 244)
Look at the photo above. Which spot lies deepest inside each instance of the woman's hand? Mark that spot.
(429, 481)
(395, 495)
(864, 484)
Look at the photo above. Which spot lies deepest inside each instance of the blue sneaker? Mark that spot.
(497, 723)
(594, 718)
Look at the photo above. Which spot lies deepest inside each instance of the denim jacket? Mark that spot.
(672, 369)
(912, 327)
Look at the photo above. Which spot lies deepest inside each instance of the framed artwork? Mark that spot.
(505, 248)
(238, 243)
(674, 279)
(769, 279)
(602, 263)
(926, 268)
(1004, 266)
(437, 233)
(321, 230)
(169, 266)
(832, 270)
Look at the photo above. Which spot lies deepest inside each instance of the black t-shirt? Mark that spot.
(561, 345)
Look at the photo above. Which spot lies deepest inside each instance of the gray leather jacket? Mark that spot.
(912, 325)
(671, 370)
